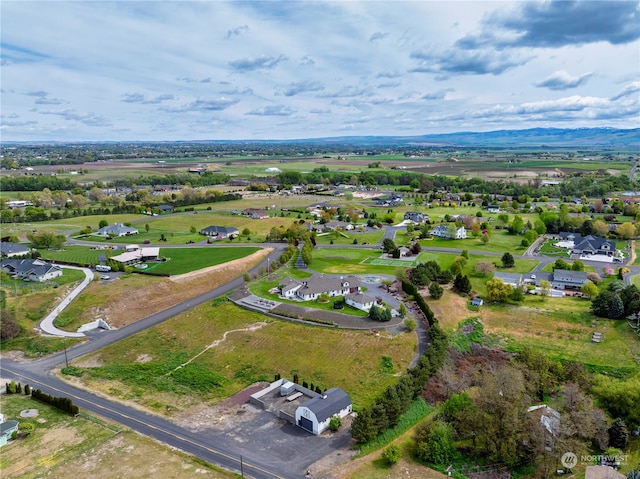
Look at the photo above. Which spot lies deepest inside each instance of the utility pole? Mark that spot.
(66, 359)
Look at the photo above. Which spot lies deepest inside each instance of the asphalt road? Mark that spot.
(205, 447)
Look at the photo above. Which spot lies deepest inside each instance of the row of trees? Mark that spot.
(63, 403)
(387, 409)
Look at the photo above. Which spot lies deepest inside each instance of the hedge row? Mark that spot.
(62, 403)
(412, 290)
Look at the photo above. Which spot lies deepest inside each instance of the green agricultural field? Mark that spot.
(231, 348)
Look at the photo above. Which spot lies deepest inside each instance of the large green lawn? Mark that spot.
(185, 260)
(179, 260)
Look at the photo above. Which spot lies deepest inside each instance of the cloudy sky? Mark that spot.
(187, 70)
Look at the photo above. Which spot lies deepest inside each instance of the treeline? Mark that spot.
(207, 178)
(63, 403)
(36, 183)
(389, 407)
(591, 184)
(395, 401)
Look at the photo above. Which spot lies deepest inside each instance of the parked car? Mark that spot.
(105, 276)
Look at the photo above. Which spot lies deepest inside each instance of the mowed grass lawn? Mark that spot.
(185, 260)
(232, 348)
(560, 328)
(179, 260)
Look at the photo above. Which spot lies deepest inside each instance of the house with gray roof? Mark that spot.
(9, 249)
(35, 270)
(360, 301)
(315, 414)
(514, 279)
(310, 288)
(220, 232)
(442, 231)
(116, 229)
(583, 245)
(567, 279)
(6, 430)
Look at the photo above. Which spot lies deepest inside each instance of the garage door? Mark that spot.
(306, 423)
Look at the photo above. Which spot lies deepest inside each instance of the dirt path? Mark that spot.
(253, 327)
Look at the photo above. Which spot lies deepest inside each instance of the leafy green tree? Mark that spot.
(391, 455)
(410, 324)
(616, 308)
(589, 289)
(577, 265)
(103, 223)
(402, 310)
(335, 422)
(545, 288)
(27, 428)
(518, 294)
(435, 443)
(497, 290)
(600, 304)
(618, 434)
(508, 261)
(435, 291)
(388, 245)
(516, 226)
(619, 397)
(46, 239)
(462, 284)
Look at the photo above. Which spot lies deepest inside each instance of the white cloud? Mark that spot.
(188, 70)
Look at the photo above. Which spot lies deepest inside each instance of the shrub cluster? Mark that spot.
(288, 254)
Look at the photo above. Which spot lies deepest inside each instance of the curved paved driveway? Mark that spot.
(47, 326)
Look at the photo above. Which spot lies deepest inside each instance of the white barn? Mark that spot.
(315, 414)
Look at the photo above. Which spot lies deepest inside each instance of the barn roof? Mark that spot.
(331, 402)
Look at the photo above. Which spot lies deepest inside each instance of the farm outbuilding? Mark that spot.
(315, 414)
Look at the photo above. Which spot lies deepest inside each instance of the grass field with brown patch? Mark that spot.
(254, 349)
(113, 301)
(561, 328)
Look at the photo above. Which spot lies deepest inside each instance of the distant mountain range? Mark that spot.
(603, 138)
(534, 137)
